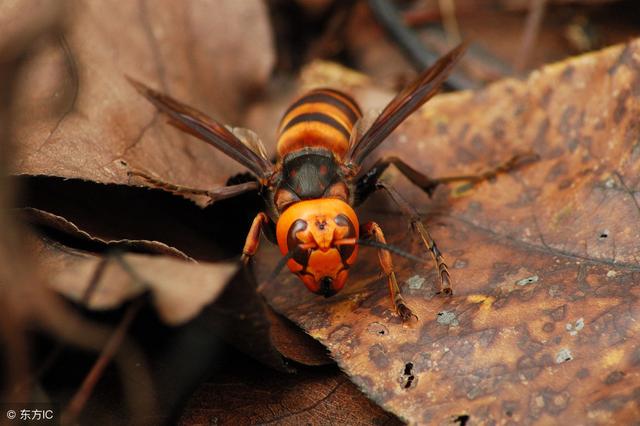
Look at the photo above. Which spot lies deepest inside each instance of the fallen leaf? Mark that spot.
(79, 117)
(542, 326)
(240, 315)
(49, 221)
(295, 344)
(179, 289)
(113, 213)
(242, 318)
(254, 395)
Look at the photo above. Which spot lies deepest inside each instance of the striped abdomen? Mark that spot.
(320, 118)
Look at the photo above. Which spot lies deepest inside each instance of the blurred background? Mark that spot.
(70, 126)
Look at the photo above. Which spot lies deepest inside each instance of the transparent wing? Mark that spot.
(207, 129)
(404, 104)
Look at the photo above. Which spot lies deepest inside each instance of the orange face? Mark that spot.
(323, 233)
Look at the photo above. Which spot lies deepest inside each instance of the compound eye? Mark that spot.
(346, 250)
(338, 190)
(284, 199)
(301, 256)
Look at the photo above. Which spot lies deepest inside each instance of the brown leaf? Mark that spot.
(80, 118)
(241, 316)
(179, 289)
(113, 213)
(51, 221)
(544, 261)
(253, 395)
(293, 343)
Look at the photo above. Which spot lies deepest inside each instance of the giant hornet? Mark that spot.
(311, 189)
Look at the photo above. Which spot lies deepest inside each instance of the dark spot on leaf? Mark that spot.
(526, 343)
(559, 168)
(573, 144)
(546, 97)
(462, 348)
(423, 361)
(463, 132)
(566, 120)
(559, 313)
(378, 355)
(475, 207)
(487, 336)
(567, 72)
(540, 140)
(510, 407)
(344, 334)
(407, 376)
(465, 155)
(632, 132)
(528, 367)
(461, 419)
(621, 107)
(625, 58)
(564, 184)
(614, 377)
(378, 329)
(497, 128)
(635, 357)
(583, 373)
(477, 142)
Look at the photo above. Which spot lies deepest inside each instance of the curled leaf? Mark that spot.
(179, 289)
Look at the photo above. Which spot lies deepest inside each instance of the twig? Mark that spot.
(391, 20)
(531, 30)
(111, 347)
(331, 40)
(449, 20)
(109, 351)
(55, 353)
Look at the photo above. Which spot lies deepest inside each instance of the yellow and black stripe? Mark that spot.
(320, 118)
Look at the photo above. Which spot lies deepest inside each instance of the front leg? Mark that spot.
(373, 230)
(253, 237)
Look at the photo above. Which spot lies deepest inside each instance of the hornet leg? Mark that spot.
(370, 182)
(372, 229)
(218, 194)
(253, 237)
(417, 226)
(366, 184)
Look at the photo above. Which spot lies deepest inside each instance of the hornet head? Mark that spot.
(320, 235)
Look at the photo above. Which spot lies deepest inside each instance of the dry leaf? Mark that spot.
(112, 213)
(294, 343)
(239, 314)
(59, 224)
(256, 395)
(241, 317)
(179, 289)
(542, 326)
(80, 118)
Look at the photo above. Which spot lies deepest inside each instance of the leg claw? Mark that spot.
(405, 313)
